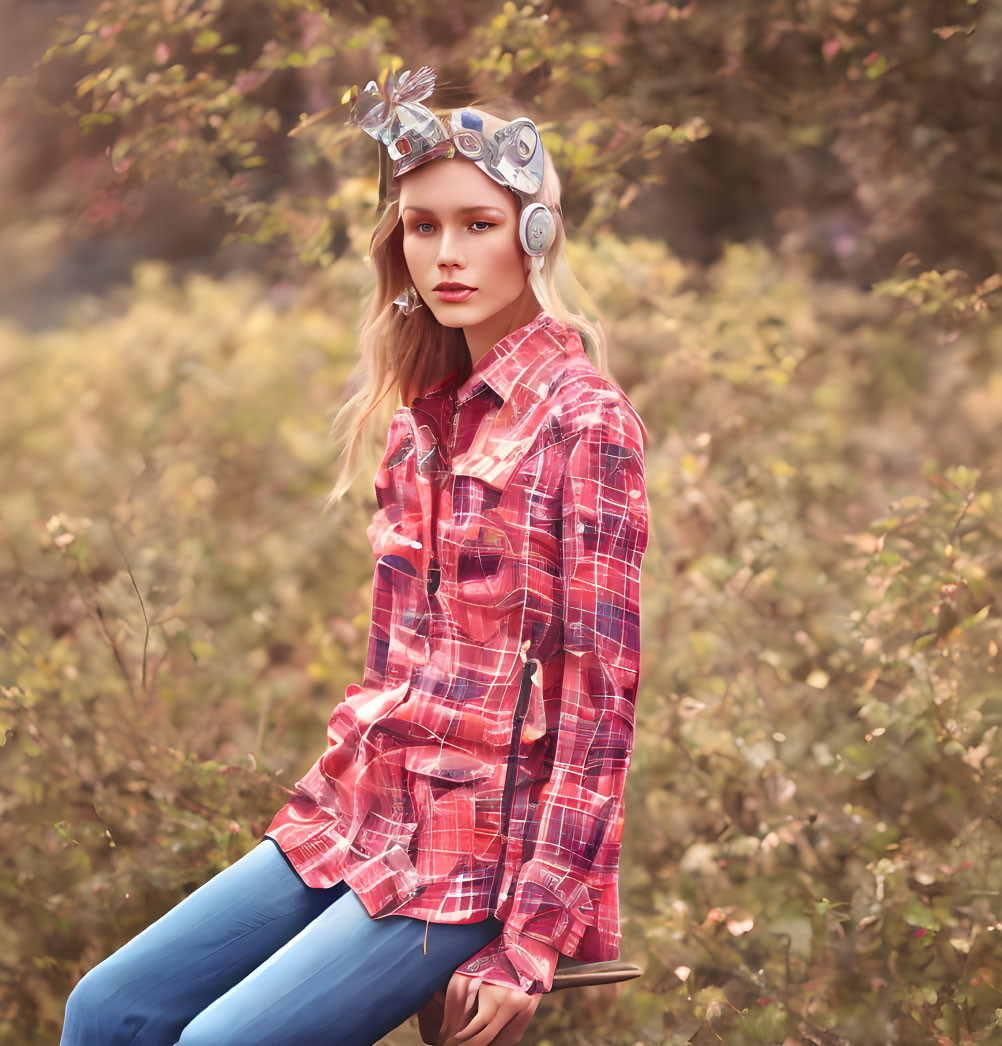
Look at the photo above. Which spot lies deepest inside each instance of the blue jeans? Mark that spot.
(257, 957)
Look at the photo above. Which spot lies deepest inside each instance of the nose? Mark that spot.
(450, 252)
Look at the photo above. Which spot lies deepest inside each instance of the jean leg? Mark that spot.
(345, 980)
(147, 991)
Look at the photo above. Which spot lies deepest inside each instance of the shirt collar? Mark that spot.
(521, 364)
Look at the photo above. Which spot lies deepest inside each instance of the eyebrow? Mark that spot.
(463, 211)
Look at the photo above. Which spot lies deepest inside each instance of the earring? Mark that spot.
(407, 301)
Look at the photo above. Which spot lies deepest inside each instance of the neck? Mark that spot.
(480, 339)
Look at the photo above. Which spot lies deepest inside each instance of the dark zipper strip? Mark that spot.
(511, 773)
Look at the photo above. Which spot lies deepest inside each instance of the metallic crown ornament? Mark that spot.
(390, 110)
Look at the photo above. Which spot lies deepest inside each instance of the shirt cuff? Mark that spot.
(514, 960)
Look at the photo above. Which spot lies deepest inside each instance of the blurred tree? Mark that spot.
(788, 213)
(847, 133)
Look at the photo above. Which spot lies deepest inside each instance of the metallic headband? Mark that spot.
(391, 111)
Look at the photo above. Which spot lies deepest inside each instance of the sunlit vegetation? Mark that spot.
(783, 212)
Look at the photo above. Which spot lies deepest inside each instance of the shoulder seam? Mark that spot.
(603, 393)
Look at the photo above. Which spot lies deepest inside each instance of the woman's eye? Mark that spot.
(482, 226)
(423, 227)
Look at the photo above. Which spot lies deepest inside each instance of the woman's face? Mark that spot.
(462, 250)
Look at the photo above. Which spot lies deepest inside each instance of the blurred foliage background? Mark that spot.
(788, 212)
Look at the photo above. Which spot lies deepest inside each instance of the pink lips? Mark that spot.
(453, 291)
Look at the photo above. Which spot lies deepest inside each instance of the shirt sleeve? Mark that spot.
(565, 895)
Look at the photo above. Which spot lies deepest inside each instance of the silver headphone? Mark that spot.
(537, 229)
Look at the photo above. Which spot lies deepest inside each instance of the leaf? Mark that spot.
(976, 618)
(208, 39)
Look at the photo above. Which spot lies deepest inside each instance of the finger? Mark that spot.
(458, 996)
(452, 1037)
(487, 1010)
(498, 1014)
(471, 1004)
(517, 1025)
(488, 1034)
(468, 1008)
(513, 1031)
(450, 1010)
(474, 1026)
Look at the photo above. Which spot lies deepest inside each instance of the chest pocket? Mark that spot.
(500, 530)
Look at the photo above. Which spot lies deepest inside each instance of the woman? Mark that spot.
(473, 779)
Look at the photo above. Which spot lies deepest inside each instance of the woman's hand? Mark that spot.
(478, 1014)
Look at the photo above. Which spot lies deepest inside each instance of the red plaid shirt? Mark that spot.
(478, 768)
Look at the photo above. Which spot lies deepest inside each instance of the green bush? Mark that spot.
(812, 837)
(168, 618)
(813, 843)
(812, 840)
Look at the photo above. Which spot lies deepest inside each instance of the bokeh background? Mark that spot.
(788, 212)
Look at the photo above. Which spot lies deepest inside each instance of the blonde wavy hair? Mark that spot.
(413, 353)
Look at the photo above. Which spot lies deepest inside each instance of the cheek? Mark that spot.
(410, 252)
(507, 261)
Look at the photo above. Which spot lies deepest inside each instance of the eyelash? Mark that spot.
(419, 226)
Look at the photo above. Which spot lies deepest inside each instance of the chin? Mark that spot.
(457, 317)
(449, 321)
